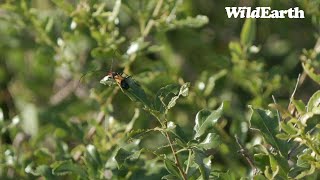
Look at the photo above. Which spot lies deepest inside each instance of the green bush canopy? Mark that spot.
(158, 89)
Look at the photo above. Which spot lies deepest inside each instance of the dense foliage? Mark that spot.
(204, 97)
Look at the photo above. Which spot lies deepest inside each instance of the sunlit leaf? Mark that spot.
(115, 11)
(93, 155)
(300, 106)
(211, 141)
(184, 89)
(311, 72)
(167, 96)
(205, 120)
(163, 94)
(193, 22)
(314, 101)
(248, 32)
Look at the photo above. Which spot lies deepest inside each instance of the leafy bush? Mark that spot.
(183, 111)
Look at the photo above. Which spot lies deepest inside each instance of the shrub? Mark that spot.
(180, 108)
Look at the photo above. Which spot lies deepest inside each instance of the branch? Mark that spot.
(245, 154)
(177, 162)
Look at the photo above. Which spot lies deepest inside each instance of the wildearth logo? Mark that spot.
(263, 12)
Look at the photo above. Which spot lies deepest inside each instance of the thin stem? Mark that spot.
(181, 150)
(189, 159)
(101, 115)
(177, 162)
(148, 27)
(295, 89)
(246, 155)
(278, 113)
(157, 8)
(92, 130)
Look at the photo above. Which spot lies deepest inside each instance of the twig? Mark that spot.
(157, 8)
(63, 93)
(101, 115)
(295, 89)
(245, 154)
(92, 130)
(278, 113)
(148, 27)
(189, 159)
(177, 162)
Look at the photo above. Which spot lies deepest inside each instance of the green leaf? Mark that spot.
(211, 141)
(203, 162)
(304, 159)
(227, 176)
(235, 51)
(314, 101)
(167, 96)
(178, 131)
(61, 168)
(169, 177)
(248, 32)
(259, 177)
(115, 11)
(193, 22)
(136, 93)
(93, 155)
(300, 106)
(304, 118)
(42, 156)
(212, 81)
(283, 136)
(172, 102)
(139, 133)
(306, 173)
(184, 89)
(279, 165)
(205, 120)
(288, 128)
(171, 167)
(268, 125)
(310, 71)
(65, 5)
(42, 170)
(261, 161)
(163, 95)
(123, 155)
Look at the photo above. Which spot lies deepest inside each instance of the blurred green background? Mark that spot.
(54, 53)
